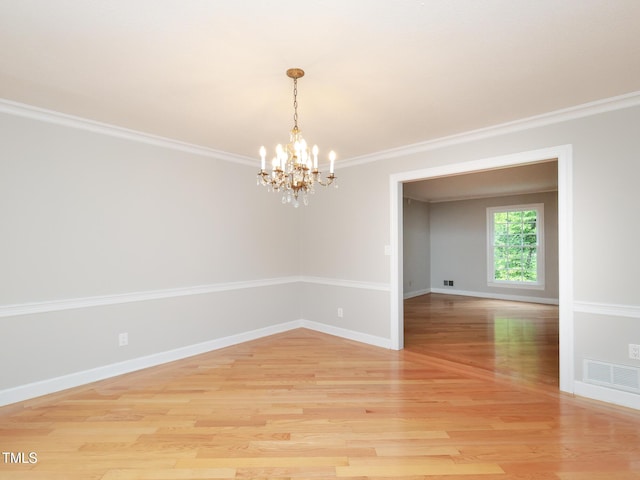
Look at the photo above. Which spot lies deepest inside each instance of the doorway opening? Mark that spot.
(563, 154)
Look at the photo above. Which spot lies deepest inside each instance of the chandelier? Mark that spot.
(294, 169)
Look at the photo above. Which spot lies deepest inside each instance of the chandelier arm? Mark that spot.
(330, 179)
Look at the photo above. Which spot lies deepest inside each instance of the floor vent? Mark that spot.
(621, 377)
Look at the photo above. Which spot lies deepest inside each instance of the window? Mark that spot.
(515, 246)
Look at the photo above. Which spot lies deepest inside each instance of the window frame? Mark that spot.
(539, 284)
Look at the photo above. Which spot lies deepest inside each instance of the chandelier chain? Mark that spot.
(295, 103)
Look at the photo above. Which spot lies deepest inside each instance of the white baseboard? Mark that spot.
(608, 395)
(416, 293)
(497, 296)
(347, 334)
(45, 387)
(52, 385)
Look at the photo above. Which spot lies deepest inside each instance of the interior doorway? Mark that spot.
(509, 331)
(563, 154)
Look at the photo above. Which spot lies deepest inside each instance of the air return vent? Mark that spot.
(620, 377)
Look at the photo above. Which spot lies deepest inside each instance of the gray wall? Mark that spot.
(606, 167)
(459, 245)
(86, 214)
(416, 246)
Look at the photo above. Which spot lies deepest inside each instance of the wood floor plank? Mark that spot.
(264, 462)
(474, 395)
(426, 469)
(170, 474)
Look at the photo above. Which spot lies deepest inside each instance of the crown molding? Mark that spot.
(579, 111)
(584, 110)
(462, 198)
(71, 121)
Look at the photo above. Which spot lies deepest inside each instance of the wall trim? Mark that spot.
(480, 197)
(608, 395)
(97, 301)
(337, 282)
(77, 379)
(71, 121)
(611, 309)
(579, 111)
(497, 296)
(416, 293)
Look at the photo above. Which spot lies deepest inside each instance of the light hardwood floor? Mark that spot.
(512, 339)
(307, 405)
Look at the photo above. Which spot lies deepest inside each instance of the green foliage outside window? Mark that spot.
(515, 246)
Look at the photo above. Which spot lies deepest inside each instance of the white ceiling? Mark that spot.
(532, 178)
(380, 74)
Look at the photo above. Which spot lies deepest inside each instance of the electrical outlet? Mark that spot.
(446, 283)
(451, 283)
(634, 351)
(340, 312)
(123, 339)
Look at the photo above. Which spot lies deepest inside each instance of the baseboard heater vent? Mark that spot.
(620, 377)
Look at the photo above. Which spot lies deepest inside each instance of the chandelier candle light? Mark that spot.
(294, 169)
